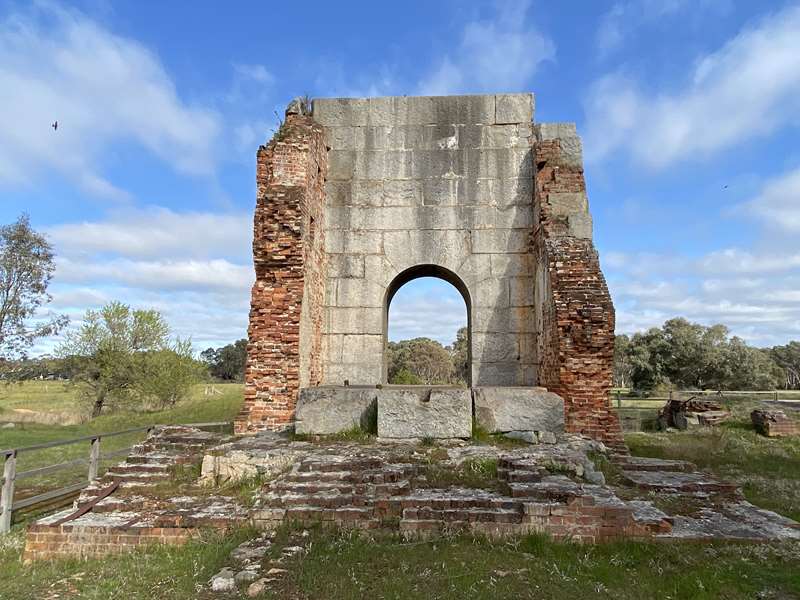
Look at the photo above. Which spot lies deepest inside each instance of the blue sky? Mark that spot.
(689, 111)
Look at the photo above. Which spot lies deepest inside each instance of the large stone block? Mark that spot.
(501, 409)
(340, 111)
(424, 413)
(514, 108)
(328, 410)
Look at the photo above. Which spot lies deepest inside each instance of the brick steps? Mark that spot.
(464, 515)
(640, 463)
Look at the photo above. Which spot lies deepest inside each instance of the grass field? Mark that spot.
(60, 398)
(345, 565)
(340, 565)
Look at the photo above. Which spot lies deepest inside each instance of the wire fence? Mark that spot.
(55, 483)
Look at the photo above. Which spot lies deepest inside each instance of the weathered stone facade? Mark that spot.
(367, 194)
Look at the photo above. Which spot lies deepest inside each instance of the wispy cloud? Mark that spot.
(497, 54)
(777, 205)
(626, 18)
(746, 89)
(156, 232)
(57, 64)
(429, 308)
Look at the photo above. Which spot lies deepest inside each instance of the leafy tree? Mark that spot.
(622, 363)
(424, 358)
(116, 353)
(647, 354)
(460, 355)
(26, 268)
(165, 376)
(692, 356)
(788, 358)
(226, 363)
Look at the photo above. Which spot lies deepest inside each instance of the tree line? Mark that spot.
(119, 356)
(423, 361)
(115, 357)
(688, 355)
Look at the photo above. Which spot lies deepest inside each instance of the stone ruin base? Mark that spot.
(557, 489)
(407, 412)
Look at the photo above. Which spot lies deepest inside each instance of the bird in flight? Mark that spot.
(55, 126)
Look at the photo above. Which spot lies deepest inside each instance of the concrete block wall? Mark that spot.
(444, 181)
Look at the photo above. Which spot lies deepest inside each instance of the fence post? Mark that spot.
(619, 401)
(776, 395)
(94, 458)
(7, 496)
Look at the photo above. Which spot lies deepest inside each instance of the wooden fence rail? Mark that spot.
(11, 475)
(776, 395)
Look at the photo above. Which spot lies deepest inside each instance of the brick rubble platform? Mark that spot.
(555, 489)
(133, 513)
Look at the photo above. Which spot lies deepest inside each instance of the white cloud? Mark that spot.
(778, 203)
(746, 89)
(58, 65)
(627, 18)
(499, 54)
(157, 274)
(156, 232)
(756, 294)
(429, 308)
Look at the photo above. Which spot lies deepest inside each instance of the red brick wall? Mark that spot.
(577, 316)
(68, 541)
(287, 297)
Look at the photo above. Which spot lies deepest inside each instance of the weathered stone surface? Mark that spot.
(524, 436)
(501, 409)
(514, 108)
(365, 190)
(424, 413)
(223, 581)
(326, 410)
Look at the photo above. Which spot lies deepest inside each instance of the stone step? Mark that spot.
(153, 459)
(543, 490)
(679, 482)
(350, 464)
(370, 476)
(519, 475)
(446, 502)
(309, 514)
(273, 500)
(464, 515)
(383, 489)
(136, 468)
(641, 463)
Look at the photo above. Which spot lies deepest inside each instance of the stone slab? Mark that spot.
(405, 413)
(328, 410)
(503, 409)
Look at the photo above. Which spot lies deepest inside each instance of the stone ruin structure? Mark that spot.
(358, 196)
(355, 199)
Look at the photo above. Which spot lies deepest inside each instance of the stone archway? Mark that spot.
(363, 189)
(417, 272)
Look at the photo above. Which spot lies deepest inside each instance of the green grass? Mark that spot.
(159, 572)
(195, 409)
(350, 565)
(768, 469)
(342, 565)
(472, 473)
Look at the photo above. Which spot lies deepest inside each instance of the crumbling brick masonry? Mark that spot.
(365, 194)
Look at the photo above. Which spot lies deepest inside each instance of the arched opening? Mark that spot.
(440, 320)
